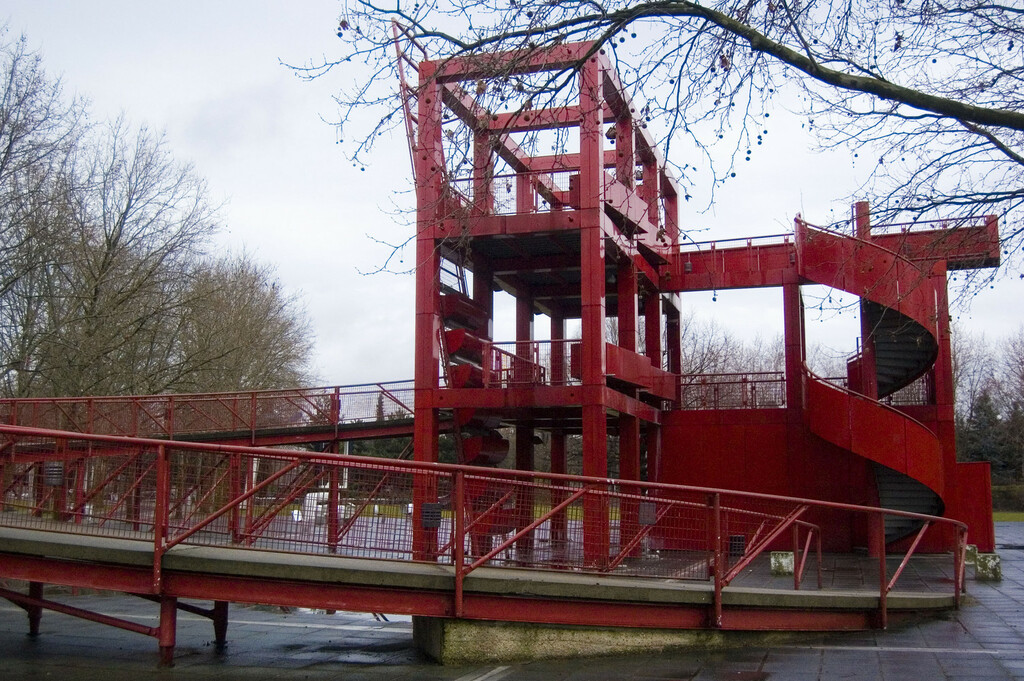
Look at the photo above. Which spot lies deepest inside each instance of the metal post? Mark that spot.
(719, 557)
(168, 626)
(170, 417)
(592, 309)
(252, 418)
(163, 483)
(332, 505)
(959, 560)
(818, 540)
(459, 538)
(235, 491)
(796, 557)
(35, 612)
(220, 624)
(79, 507)
(883, 578)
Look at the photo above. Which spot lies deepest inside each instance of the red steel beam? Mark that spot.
(27, 601)
(127, 579)
(328, 596)
(715, 268)
(565, 56)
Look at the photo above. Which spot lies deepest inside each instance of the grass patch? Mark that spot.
(1011, 516)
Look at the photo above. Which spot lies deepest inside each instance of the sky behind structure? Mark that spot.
(209, 74)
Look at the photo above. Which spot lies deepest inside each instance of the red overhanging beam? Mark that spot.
(713, 268)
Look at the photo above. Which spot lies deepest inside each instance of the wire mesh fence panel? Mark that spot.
(535, 192)
(193, 415)
(515, 364)
(588, 528)
(534, 363)
(758, 390)
(750, 527)
(78, 486)
(919, 392)
(306, 505)
(217, 413)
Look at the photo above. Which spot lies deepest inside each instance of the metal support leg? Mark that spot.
(35, 612)
(220, 624)
(883, 577)
(168, 626)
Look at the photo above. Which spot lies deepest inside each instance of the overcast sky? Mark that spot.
(208, 74)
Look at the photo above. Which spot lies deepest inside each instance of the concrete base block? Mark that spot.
(971, 555)
(988, 568)
(782, 562)
(458, 642)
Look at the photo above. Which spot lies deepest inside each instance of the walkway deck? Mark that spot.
(984, 640)
(415, 588)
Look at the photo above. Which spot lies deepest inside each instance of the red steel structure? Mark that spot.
(590, 233)
(182, 496)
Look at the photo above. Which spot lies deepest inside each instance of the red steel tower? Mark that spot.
(588, 231)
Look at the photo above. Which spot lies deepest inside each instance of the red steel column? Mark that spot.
(559, 369)
(626, 290)
(625, 159)
(220, 624)
(868, 371)
(524, 431)
(168, 627)
(35, 612)
(483, 290)
(649, 192)
(943, 370)
(429, 161)
(654, 452)
(673, 340)
(629, 426)
(792, 311)
(652, 347)
(652, 329)
(483, 173)
(592, 291)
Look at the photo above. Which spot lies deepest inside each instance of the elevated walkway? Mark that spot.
(178, 520)
(757, 601)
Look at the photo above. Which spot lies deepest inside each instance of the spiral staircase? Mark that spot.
(899, 312)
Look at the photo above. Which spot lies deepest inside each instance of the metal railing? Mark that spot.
(723, 244)
(520, 363)
(919, 392)
(253, 412)
(533, 192)
(748, 390)
(175, 493)
(907, 227)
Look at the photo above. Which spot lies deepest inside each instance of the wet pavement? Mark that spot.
(983, 640)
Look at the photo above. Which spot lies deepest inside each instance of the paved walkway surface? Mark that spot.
(983, 640)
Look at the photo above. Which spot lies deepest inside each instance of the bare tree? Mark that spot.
(990, 402)
(1012, 368)
(927, 93)
(105, 282)
(974, 371)
(138, 220)
(707, 347)
(239, 328)
(40, 131)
